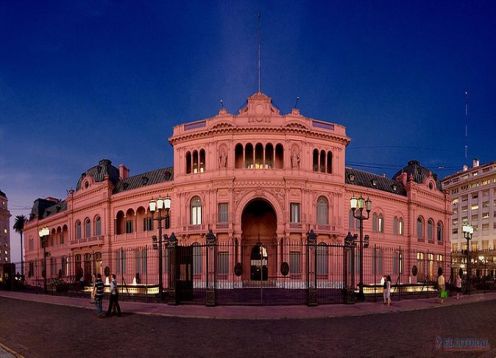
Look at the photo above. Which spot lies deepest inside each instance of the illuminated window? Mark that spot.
(196, 211)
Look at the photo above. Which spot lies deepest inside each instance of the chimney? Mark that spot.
(123, 172)
(475, 163)
(465, 167)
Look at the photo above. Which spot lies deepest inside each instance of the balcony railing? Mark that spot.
(88, 241)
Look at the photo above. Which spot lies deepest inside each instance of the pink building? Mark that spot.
(257, 178)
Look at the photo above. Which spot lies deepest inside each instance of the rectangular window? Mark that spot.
(129, 226)
(294, 213)
(294, 263)
(223, 216)
(197, 259)
(147, 224)
(223, 263)
(322, 260)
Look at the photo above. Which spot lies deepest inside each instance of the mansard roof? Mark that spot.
(419, 173)
(149, 178)
(374, 181)
(99, 172)
(44, 207)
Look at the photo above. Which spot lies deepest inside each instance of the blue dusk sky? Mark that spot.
(86, 80)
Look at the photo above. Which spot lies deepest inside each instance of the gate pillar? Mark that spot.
(349, 269)
(171, 247)
(312, 268)
(211, 267)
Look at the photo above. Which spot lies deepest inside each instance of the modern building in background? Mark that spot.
(257, 178)
(473, 195)
(4, 229)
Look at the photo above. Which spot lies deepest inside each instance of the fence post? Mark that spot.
(171, 246)
(211, 268)
(400, 269)
(375, 272)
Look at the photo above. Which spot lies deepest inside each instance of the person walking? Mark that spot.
(98, 293)
(441, 285)
(388, 290)
(114, 298)
(384, 288)
(458, 285)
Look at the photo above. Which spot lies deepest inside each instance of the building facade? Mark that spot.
(4, 229)
(255, 178)
(473, 195)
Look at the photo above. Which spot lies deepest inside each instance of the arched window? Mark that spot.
(87, 228)
(195, 161)
(129, 221)
(322, 259)
(329, 162)
(78, 230)
(395, 226)
(188, 163)
(238, 156)
(120, 224)
(259, 156)
(269, 156)
(380, 223)
(279, 163)
(322, 211)
(98, 226)
(430, 230)
(315, 160)
(322, 161)
(420, 228)
(401, 226)
(196, 211)
(197, 259)
(375, 223)
(249, 156)
(439, 231)
(202, 161)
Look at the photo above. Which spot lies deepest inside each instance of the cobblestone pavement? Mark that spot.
(43, 330)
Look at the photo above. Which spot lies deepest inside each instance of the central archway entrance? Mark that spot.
(259, 225)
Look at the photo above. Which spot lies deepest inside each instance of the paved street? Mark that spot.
(44, 330)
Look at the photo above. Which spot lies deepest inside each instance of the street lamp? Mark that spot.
(158, 206)
(43, 233)
(468, 231)
(357, 206)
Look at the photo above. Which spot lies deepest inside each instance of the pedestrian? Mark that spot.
(441, 285)
(93, 291)
(388, 290)
(114, 298)
(98, 293)
(384, 288)
(458, 284)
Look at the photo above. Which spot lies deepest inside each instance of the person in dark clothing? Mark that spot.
(114, 298)
(98, 293)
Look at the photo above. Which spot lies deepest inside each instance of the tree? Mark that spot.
(20, 220)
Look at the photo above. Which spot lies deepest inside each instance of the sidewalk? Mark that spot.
(256, 312)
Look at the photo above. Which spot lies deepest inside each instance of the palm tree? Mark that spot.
(20, 220)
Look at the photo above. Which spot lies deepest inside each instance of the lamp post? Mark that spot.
(158, 206)
(357, 206)
(468, 231)
(43, 233)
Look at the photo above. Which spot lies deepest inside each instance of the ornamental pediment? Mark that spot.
(260, 107)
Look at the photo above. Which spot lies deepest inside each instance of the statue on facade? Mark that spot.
(295, 158)
(222, 157)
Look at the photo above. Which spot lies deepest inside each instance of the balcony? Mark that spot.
(88, 241)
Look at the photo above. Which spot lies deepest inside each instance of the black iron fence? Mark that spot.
(268, 273)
